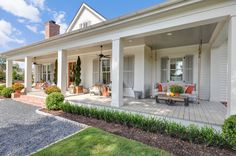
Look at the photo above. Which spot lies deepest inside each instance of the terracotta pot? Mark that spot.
(18, 91)
(79, 89)
(177, 94)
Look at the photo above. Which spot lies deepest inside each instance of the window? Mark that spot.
(176, 69)
(105, 76)
(129, 72)
(164, 69)
(46, 73)
(84, 24)
(106, 71)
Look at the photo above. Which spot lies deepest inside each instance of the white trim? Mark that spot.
(83, 6)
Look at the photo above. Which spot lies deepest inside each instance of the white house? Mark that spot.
(183, 40)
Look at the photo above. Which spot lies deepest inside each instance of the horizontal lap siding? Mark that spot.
(219, 73)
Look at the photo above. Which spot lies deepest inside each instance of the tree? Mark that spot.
(55, 72)
(78, 72)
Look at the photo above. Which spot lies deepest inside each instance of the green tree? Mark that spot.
(2, 68)
(78, 72)
(55, 72)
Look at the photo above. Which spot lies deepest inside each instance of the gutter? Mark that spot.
(160, 8)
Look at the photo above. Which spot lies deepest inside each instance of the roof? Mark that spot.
(162, 7)
(82, 7)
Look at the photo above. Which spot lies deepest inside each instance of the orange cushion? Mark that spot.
(189, 89)
(159, 87)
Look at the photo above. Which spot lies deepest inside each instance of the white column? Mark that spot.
(9, 64)
(28, 73)
(232, 67)
(62, 68)
(117, 73)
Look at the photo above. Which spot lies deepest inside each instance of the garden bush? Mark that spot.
(229, 131)
(6, 92)
(17, 86)
(52, 89)
(194, 134)
(2, 87)
(54, 100)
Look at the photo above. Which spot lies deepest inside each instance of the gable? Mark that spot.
(86, 16)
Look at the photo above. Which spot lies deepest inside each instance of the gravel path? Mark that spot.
(22, 131)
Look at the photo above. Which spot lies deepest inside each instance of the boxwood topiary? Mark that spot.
(54, 100)
(52, 89)
(6, 92)
(229, 131)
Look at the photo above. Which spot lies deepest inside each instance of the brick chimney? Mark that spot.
(51, 29)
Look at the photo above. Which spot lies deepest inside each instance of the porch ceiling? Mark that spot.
(178, 38)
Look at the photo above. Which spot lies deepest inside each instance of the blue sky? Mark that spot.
(22, 21)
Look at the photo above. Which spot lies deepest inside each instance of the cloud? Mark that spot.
(38, 3)
(21, 9)
(20, 20)
(59, 18)
(32, 28)
(7, 34)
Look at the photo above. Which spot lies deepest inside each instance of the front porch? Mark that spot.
(210, 113)
(206, 112)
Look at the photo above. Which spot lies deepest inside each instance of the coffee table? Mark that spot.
(171, 100)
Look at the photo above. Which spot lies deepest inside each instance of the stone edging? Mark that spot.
(83, 126)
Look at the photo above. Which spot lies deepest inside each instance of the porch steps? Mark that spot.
(32, 100)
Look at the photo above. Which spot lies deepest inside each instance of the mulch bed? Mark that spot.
(172, 145)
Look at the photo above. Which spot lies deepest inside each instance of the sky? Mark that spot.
(22, 21)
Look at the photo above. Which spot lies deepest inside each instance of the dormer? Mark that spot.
(85, 17)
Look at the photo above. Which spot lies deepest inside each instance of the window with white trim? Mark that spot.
(176, 69)
(106, 75)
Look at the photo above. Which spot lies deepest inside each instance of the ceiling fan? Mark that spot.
(35, 63)
(101, 55)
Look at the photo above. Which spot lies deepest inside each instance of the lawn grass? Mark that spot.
(96, 142)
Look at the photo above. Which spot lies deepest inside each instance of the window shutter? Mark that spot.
(164, 69)
(128, 72)
(188, 71)
(95, 71)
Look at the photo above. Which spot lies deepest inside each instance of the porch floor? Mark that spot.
(212, 113)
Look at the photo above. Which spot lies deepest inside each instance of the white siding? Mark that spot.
(219, 73)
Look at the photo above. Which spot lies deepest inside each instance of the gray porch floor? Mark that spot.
(212, 113)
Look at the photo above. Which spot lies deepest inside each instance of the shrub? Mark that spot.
(6, 92)
(2, 87)
(52, 89)
(176, 89)
(17, 86)
(54, 100)
(229, 131)
(205, 135)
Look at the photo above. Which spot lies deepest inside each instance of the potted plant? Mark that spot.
(72, 88)
(17, 87)
(176, 89)
(79, 89)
